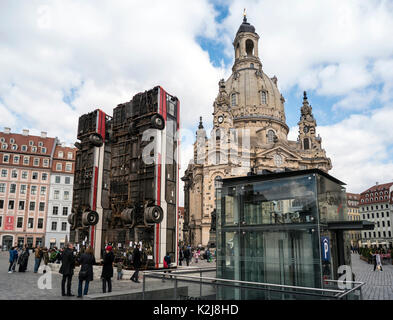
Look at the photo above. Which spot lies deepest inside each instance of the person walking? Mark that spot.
(136, 255)
(187, 255)
(167, 264)
(374, 259)
(87, 260)
(67, 269)
(37, 258)
(23, 259)
(181, 255)
(119, 269)
(13, 259)
(107, 269)
(378, 261)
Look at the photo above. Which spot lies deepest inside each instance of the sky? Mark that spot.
(61, 59)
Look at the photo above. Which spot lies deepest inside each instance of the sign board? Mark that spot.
(9, 223)
(325, 247)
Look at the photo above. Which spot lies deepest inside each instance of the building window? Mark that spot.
(263, 97)
(24, 174)
(65, 211)
(19, 222)
(14, 174)
(70, 156)
(34, 176)
(12, 188)
(36, 162)
(67, 180)
(58, 167)
(21, 205)
(24, 148)
(60, 154)
(43, 191)
(32, 206)
(4, 146)
(6, 158)
(43, 150)
(1, 221)
(33, 190)
(26, 160)
(233, 99)
(306, 144)
(23, 189)
(64, 226)
(68, 167)
(40, 223)
(16, 159)
(1, 204)
(44, 176)
(2, 187)
(11, 204)
(56, 194)
(33, 149)
(270, 136)
(54, 225)
(46, 163)
(42, 206)
(4, 173)
(30, 223)
(57, 179)
(55, 210)
(31, 143)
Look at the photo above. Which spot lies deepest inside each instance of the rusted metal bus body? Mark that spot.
(140, 178)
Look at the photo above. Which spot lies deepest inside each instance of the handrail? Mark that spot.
(254, 283)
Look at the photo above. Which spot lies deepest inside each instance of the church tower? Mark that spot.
(248, 108)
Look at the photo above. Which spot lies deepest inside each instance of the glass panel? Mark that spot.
(331, 200)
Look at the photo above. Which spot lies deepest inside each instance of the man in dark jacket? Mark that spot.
(86, 261)
(13, 259)
(107, 269)
(136, 256)
(187, 255)
(67, 269)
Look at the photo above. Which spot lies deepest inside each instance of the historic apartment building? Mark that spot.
(60, 196)
(354, 215)
(249, 134)
(376, 206)
(25, 169)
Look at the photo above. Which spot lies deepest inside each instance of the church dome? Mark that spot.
(246, 27)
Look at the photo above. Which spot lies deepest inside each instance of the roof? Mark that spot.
(279, 175)
(378, 187)
(369, 196)
(246, 27)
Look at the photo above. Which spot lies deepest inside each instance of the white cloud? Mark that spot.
(359, 148)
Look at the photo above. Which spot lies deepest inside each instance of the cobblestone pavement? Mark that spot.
(24, 286)
(378, 284)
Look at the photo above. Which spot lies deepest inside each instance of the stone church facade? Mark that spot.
(249, 134)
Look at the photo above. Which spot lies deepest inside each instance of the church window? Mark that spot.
(263, 97)
(306, 144)
(233, 99)
(217, 182)
(252, 65)
(270, 136)
(218, 134)
(249, 47)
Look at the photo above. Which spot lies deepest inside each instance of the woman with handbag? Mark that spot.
(86, 261)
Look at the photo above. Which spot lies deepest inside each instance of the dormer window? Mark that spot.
(233, 99)
(4, 146)
(14, 147)
(12, 140)
(33, 149)
(31, 143)
(40, 144)
(24, 148)
(60, 154)
(263, 97)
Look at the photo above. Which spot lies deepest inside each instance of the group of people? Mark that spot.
(18, 256)
(86, 261)
(187, 253)
(376, 256)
